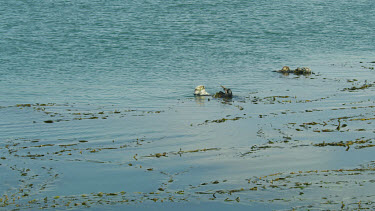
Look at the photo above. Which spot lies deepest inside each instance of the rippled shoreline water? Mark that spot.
(97, 107)
(263, 150)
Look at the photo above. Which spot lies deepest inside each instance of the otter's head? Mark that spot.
(228, 93)
(200, 90)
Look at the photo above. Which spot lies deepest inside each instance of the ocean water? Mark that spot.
(92, 93)
(149, 53)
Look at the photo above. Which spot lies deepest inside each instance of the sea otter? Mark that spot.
(201, 91)
(226, 94)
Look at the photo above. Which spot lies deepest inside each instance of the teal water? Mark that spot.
(116, 79)
(150, 52)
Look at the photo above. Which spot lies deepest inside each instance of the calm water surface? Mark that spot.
(92, 93)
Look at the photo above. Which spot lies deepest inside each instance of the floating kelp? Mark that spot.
(364, 86)
(293, 185)
(362, 119)
(71, 112)
(370, 68)
(359, 144)
(158, 155)
(180, 152)
(274, 145)
(298, 71)
(26, 148)
(222, 120)
(228, 172)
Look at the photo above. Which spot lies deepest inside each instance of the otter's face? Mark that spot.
(285, 69)
(228, 92)
(200, 90)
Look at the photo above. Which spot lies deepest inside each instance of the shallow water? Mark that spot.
(97, 107)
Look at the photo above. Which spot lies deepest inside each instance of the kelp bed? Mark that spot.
(288, 151)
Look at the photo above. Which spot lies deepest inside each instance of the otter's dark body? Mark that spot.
(226, 94)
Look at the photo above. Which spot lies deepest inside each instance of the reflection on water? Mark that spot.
(201, 100)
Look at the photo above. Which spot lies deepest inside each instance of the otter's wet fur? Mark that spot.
(226, 94)
(201, 91)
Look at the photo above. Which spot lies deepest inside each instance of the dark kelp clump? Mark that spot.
(354, 88)
(298, 71)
